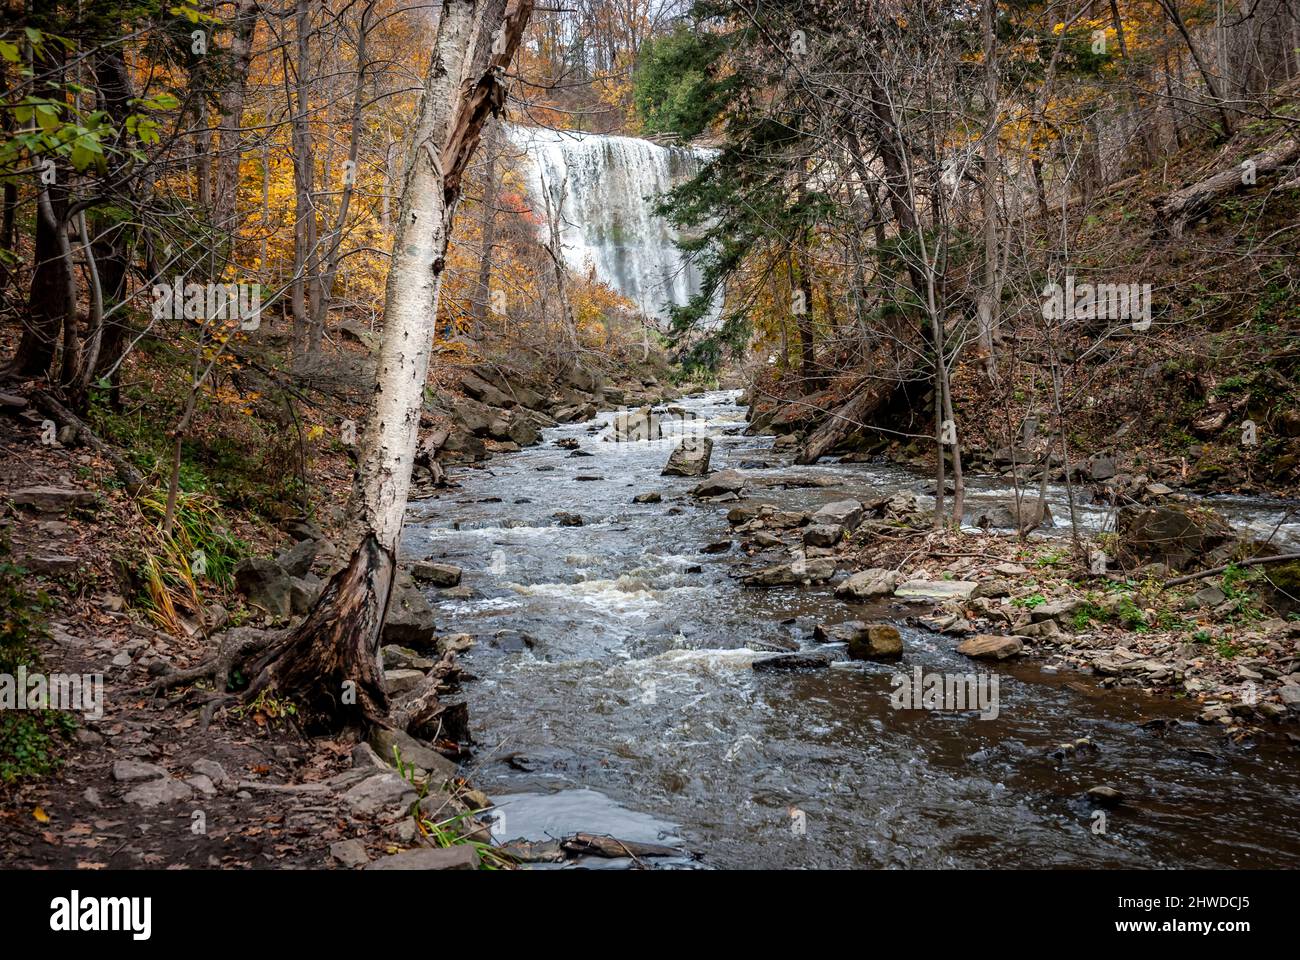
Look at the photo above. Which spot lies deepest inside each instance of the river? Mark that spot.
(613, 691)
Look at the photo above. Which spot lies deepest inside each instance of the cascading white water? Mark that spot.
(608, 187)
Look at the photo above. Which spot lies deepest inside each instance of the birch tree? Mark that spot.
(330, 664)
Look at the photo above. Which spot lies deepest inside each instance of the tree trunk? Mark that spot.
(225, 191)
(335, 244)
(491, 182)
(1176, 210)
(989, 294)
(304, 175)
(330, 665)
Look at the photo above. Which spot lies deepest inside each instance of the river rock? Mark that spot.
(158, 792)
(566, 519)
(822, 535)
(380, 792)
(784, 574)
(51, 499)
(266, 585)
(1290, 696)
(630, 426)
(690, 458)
(1002, 516)
(460, 856)
(412, 752)
(800, 660)
(868, 584)
(648, 498)
(128, 771)
(1170, 533)
(303, 593)
(865, 641)
(1105, 796)
(720, 483)
(523, 431)
(410, 620)
(398, 682)
(437, 574)
(574, 413)
(297, 560)
(986, 646)
(1058, 610)
(481, 390)
(349, 853)
(922, 590)
(841, 513)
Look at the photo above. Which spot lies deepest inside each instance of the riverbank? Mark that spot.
(573, 599)
(647, 664)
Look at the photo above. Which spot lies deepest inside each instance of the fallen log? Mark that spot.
(1276, 558)
(1176, 211)
(840, 424)
(591, 845)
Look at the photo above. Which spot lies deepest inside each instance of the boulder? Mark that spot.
(523, 431)
(303, 593)
(397, 657)
(478, 388)
(784, 574)
(868, 584)
(690, 458)
(986, 646)
(720, 483)
(410, 619)
(841, 513)
(1173, 534)
(349, 853)
(297, 560)
(266, 585)
(1280, 587)
(437, 574)
(460, 856)
(792, 661)
(574, 413)
(630, 426)
(1002, 516)
(398, 682)
(1058, 610)
(922, 590)
(155, 793)
(865, 641)
(412, 752)
(128, 771)
(822, 535)
(380, 792)
(50, 499)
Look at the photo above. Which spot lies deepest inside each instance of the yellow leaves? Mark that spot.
(40, 815)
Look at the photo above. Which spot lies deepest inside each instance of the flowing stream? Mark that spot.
(614, 694)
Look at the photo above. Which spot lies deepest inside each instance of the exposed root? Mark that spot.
(237, 645)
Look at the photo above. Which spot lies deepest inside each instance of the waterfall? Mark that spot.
(609, 186)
